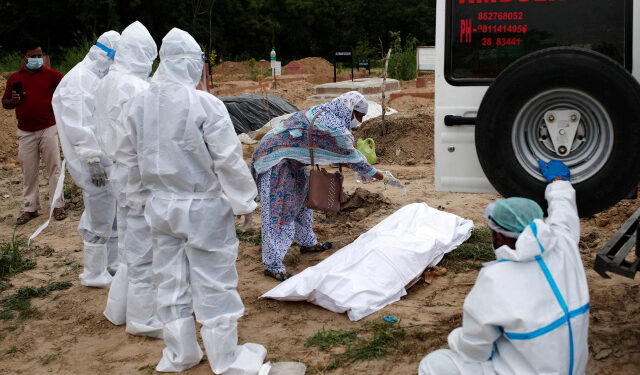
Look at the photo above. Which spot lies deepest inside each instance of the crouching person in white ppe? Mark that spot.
(132, 295)
(191, 161)
(528, 312)
(74, 107)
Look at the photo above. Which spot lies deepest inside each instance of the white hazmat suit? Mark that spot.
(74, 107)
(132, 295)
(191, 160)
(528, 312)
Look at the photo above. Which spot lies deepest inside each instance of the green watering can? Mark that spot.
(368, 148)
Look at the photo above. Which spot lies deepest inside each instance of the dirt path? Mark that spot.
(69, 335)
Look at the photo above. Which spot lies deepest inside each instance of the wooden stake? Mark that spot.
(384, 84)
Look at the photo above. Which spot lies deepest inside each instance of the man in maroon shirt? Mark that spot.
(37, 132)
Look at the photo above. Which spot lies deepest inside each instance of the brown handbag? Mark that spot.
(325, 189)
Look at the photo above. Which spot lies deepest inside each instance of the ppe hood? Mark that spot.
(181, 59)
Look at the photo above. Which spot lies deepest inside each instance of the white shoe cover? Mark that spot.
(220, 338)
(95, 266)
(141, 314)
(182, 350)
(113, 255)
(116, 310)
(248, 361)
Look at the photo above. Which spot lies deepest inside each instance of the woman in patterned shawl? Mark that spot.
(278, 169)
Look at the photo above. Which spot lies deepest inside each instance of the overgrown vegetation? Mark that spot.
(471, 254)
(11, 260)
(250, 235)
(20, 302)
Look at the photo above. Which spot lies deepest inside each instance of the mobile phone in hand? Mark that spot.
(17, 87)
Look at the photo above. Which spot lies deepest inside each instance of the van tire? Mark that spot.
(559, 70)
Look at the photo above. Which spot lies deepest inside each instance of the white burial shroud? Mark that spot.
(372, 272)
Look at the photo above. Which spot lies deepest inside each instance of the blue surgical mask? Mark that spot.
(34, 63)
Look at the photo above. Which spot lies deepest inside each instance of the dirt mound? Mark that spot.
(316, 66)
(408, 138)
(8, 139)
(240, 70)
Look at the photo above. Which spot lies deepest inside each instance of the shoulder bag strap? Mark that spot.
(311, 137)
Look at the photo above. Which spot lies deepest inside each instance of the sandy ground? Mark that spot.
(71, 336)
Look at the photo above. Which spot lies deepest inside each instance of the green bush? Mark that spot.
(69, 57)
(402, 63)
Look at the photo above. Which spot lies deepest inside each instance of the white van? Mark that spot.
(522, 80)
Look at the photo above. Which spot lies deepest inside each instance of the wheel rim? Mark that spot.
(591, 146)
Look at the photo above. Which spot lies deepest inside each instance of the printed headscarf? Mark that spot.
(337, 113)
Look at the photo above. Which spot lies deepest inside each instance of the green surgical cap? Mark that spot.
(513, 214)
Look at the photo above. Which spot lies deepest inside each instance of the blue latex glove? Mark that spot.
(554, 169)
(390, 319)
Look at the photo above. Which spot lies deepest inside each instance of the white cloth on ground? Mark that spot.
(372, 272)
(191, 160)
(528, 311)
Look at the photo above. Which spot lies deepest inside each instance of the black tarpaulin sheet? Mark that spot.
(248, 112)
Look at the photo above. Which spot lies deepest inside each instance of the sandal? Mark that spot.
(280, 276)
(59, 214)
(317, 248)
(27, 217)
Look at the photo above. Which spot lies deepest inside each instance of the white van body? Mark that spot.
(457, 168)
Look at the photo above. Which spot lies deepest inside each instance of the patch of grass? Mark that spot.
(471, 254)
(377, 341)
(20, 302)
(325, 339)
(11, 260)
(12, 350)
(251, 236)
(386, 337)
(4, 285)
(149, 369)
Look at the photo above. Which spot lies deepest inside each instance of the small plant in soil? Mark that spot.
(250, 235)
(11, 260)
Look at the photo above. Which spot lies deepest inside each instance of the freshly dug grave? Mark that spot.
(406, 139)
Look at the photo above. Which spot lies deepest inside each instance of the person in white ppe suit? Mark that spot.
(132, 295)
(528, 312)
(191, 161)
(74, 107)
